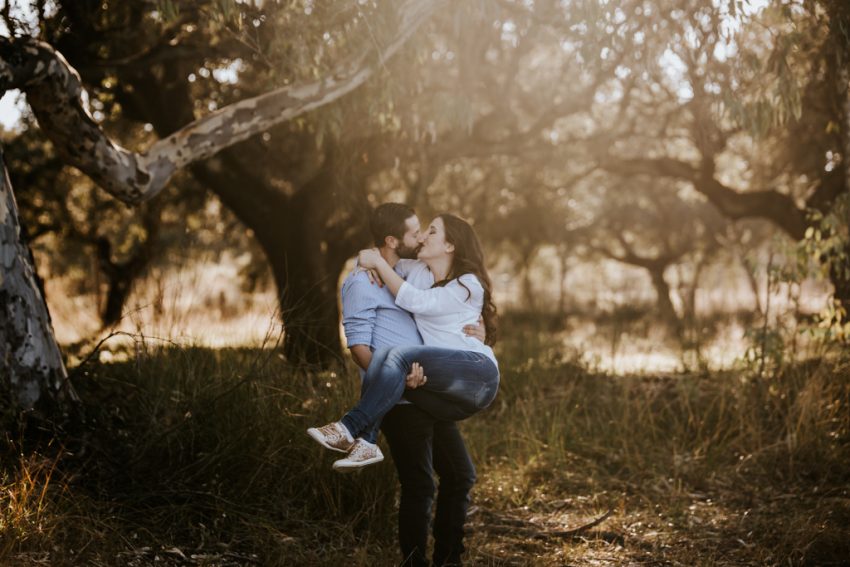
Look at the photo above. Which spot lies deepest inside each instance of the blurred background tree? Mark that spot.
(646, 132)
(662, 191)
(92, 36)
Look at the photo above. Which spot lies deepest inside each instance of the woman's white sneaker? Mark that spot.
(333, 436)
(362, 454)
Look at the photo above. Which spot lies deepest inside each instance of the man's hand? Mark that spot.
(416, 377)
(478, 331)
(362, 355)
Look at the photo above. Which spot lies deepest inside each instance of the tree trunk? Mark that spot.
(838, 275)
(31, 366)
(562, 284)
(662, 290)
(308, 298)
(314, 252)
(838, 272)
(527, 288)
(305, 249)
(121, 276)
(31, 369)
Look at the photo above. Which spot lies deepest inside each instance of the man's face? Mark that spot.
(409, 245)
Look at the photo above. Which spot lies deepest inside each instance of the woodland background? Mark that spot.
(662, 192)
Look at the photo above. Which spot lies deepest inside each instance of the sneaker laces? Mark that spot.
(361, 451)
(330, 430)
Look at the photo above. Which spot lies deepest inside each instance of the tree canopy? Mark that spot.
(636, 130)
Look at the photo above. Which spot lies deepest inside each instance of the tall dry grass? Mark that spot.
(202, 452)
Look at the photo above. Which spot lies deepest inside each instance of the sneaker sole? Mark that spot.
(351, 467)
(320, 439)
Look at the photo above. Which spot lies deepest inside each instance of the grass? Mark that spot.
(198, 457)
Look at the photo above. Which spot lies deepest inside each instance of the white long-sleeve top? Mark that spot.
(442, 312)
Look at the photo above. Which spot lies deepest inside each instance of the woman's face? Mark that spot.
(433, 243)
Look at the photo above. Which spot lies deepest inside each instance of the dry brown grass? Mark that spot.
(197, 457)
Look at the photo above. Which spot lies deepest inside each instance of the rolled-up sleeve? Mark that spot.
(359, 311)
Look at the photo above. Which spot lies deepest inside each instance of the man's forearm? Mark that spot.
(362, 355)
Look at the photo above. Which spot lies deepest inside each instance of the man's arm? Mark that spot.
(359, 312)
(478, 331)
(362, 355)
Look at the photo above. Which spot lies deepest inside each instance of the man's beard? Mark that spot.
(408, 252)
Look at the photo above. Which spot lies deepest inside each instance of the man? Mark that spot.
(418, 443)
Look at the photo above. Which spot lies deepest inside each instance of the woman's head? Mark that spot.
(452, 237)
(433, 244)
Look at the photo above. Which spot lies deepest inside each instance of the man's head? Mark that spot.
(396, 226)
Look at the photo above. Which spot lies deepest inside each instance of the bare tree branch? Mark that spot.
(54, 91)
(766, 203)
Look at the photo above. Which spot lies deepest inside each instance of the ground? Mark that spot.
(198, 456)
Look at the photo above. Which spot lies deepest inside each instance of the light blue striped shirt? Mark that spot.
(371, 317)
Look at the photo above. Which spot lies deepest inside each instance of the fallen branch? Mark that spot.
(519, 526)
(575, 531)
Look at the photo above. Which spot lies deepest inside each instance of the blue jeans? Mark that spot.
(460, 384)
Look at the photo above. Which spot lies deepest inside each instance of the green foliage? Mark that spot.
(778, 96)
(767, 350)
(776, 332)
(828, 241)
(827, 238)
(169, 9)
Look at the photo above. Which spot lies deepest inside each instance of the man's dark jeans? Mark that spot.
(421, 445)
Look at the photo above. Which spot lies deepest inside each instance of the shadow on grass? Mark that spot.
(718, 470)
(199, 457)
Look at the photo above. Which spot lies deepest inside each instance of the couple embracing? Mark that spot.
(426, 366)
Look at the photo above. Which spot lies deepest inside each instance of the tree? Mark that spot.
(726, 104)
(656, 226)
(32, 368)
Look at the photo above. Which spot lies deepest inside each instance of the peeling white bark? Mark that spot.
(54, 92)
(31, 367)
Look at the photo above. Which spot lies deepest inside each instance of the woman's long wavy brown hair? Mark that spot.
(469, 259)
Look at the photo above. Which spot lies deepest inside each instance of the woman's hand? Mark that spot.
(374, 277)
(372, 261)
(416, 377)
(369, 258)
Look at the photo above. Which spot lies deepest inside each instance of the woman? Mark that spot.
(462, 373)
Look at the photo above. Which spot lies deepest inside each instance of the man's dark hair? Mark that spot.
(388, 220)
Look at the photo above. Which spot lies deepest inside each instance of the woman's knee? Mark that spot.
(486, 394)
(398, 358)
(380, 355)
(379, 358)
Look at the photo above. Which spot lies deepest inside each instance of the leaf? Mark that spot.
(169, 10)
